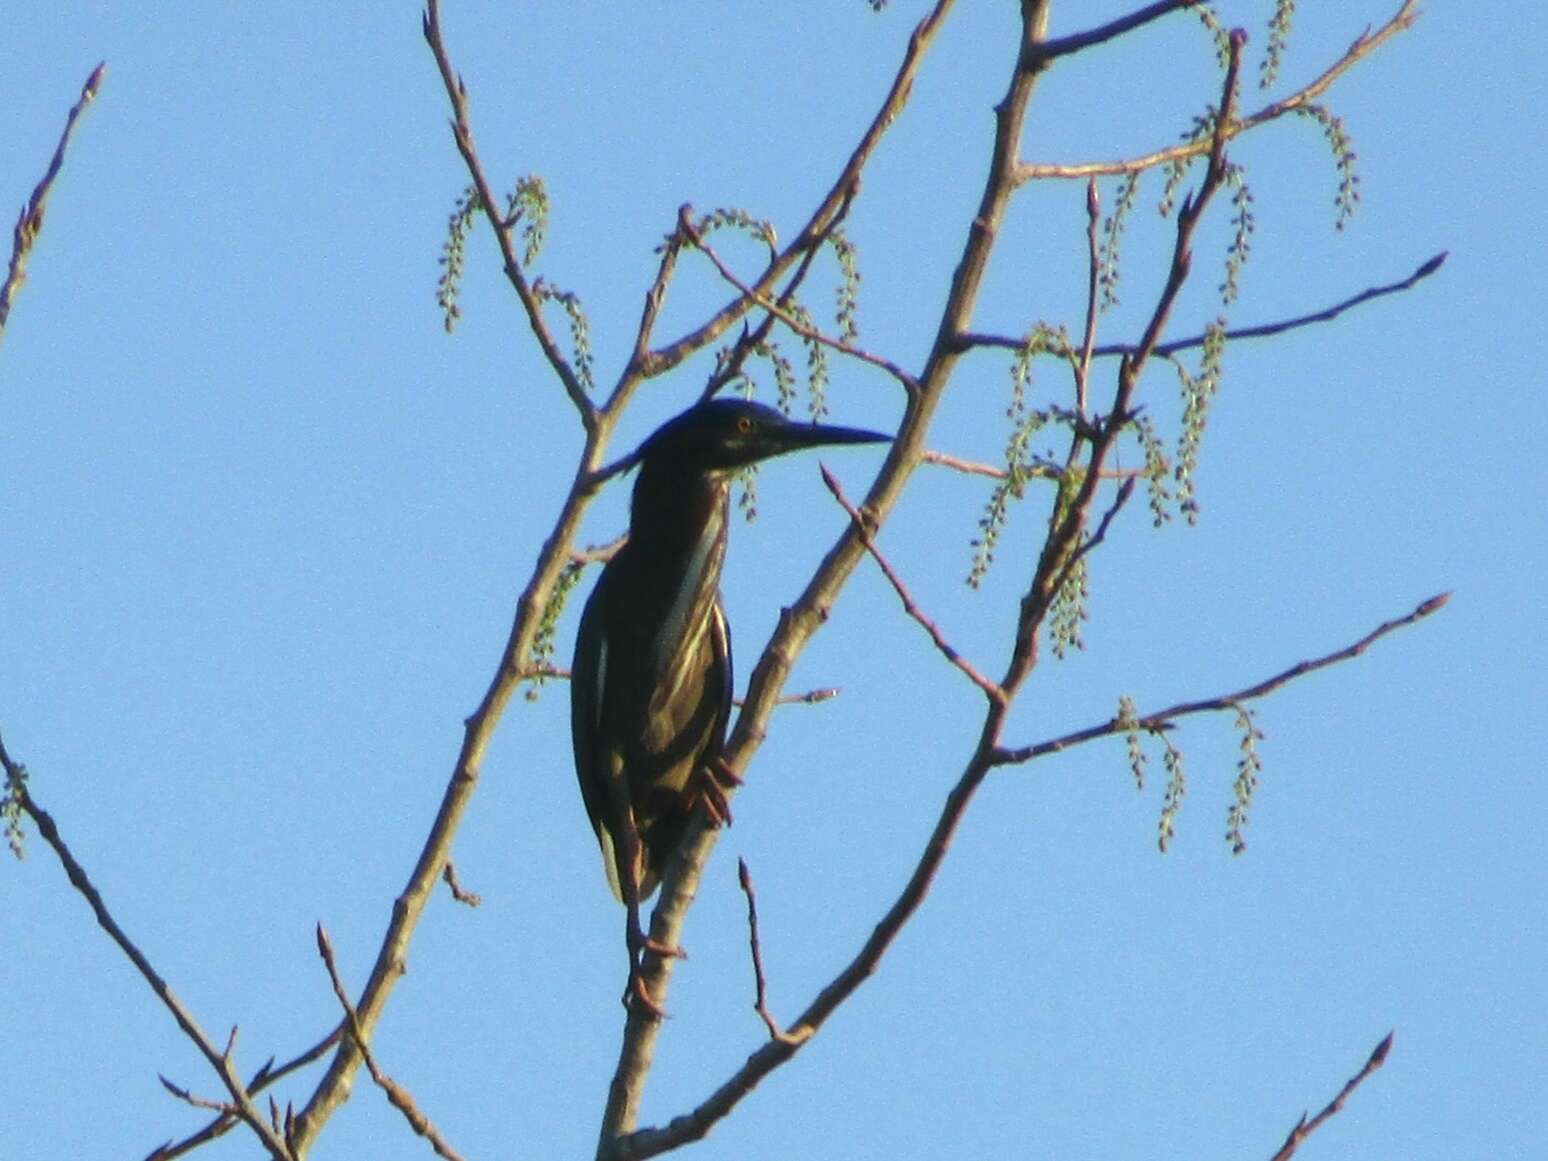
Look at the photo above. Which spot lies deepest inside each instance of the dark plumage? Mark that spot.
(651, 683)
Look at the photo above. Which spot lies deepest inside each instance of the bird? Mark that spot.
(650, 687)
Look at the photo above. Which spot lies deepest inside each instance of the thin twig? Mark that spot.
(262, 1079)
(786, 316)
(30, 223)
(1163, 719)
(225, 1108)
(396, 1093)
(1257, 331)
(1304, 1128)
(751, 339)
(1093, 281)
(1363, 46)
(760, 984)
(513, 668)
(462, 133)
(219, 1060)
(910, 606)
(598, 553)
(459, 893)
(1059, 46)
(1035, 470)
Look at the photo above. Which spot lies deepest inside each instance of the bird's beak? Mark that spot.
(796, 436)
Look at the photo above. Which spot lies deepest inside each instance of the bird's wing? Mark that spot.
(596, 763)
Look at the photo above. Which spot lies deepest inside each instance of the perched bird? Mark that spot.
(650, 690)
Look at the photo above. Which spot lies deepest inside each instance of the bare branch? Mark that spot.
(462, 133)
(30, 223)
(219, 1060)
(1304, 1128)
(1065, 45)
(459, 893)
(1093, 281)
(1258, 331)
(262, 1079)
(947, 650)
(396, 1093)
(782, 312)
(835, 203)
(1163, 719)
(760, 985)
(1367, 43)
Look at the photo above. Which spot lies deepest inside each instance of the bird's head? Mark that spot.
(722, 435)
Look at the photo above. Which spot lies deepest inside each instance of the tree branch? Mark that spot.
(219, 1060)
(1367, 43)
(1065, 45)
(262, 1079)
(1163, 719)
(760, 984)
(1304, 1128)
(399, 1096)
(462, 133)
(945, 647)
(764, 302)
(1258, 331)
(30, 223)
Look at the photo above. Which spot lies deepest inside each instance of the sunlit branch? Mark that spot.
(1159, 720)
(1257, 331)
(786, 316)
(1304, 1128)
(220, 1061)
(1059, 46)
(462, 133)
(1363, 46)
(945, 647)
(760, 984)
(30, 223)
(396, 1093)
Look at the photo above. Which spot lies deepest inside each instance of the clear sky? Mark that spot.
(263, 523)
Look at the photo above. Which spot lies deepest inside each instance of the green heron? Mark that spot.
(650, 690)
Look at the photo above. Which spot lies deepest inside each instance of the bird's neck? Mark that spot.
(678, 514)
(677, 544)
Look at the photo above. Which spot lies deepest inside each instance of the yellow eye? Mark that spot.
(744, 425)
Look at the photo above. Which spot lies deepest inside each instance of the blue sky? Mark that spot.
(264, 522)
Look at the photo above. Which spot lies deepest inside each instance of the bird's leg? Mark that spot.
(639, 944)
(712, 780)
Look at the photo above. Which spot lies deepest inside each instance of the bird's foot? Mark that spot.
(641, 945)
(637, 995)
(637, 998)
(714, 779)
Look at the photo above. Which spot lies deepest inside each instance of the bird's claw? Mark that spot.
(636, 997)
(714, 778)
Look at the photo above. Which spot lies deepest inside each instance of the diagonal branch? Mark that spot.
(30, 223)
(1065, 45)
(816, 228)
(1365, 44)
(219, 1060)
(396, 1093)
(946, 648)
(1304, 1128)
(779, 311)
(1163, 719)
(462, 132)
(1257, 331)
(262, 1079)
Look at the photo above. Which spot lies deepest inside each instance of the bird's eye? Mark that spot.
(743, 425)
